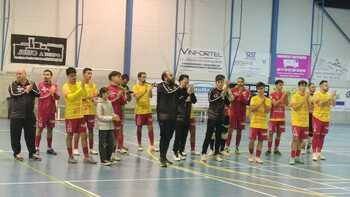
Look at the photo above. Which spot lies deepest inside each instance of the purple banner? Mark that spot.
(293, 66)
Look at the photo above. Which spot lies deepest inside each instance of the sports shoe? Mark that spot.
(204, 158)
(237, 151)
(176, 156)
(258, 160)
(218, 158)
(168, 162)
(115, 158)
(299, 160)
(71, 160)
(34, 157)
(163, 164)
(51, 152)
(314, 157)
(140, 148)
(195, 153)
(76, 152)
(93, 152)
(90, 160)
(268, 153)
(18, 157)
(37, 151)
(182, 155)
(227, 149)
(277, 152)
(106, 163)
(224, 153)
(321, 157)
(292, 161)
(122, 151)
(250, 158)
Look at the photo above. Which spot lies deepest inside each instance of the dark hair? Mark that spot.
(140, 74)
(183, 76)
(86, 70)
(102, 91)
(310, 84)
(219, 78)
(302, 82)
(113, 74)
(125, 76)
(48, 71)
(323, 81)
(232, 85)
(279, 81)
(164, 75)
(241, 78)
(70, 70)
(260, 84)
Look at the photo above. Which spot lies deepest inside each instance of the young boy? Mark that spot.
(277, 117)
(323, 101)
(300, 103)
(260, 106)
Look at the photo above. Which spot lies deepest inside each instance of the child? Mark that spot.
(105, 123)
(260, 106)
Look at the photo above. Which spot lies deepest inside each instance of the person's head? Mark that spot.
(103, 93)
(47, 75)
(115, 77)
(279, 85)
(184, 80)
(220, 81)
(324, 86)
(87, 74)
(141, 76)
(125, 79)
(71, 75)
(240, 82)
(21, 75)
(312, 87)
(168, 77)
(260, 88)
(302, 84)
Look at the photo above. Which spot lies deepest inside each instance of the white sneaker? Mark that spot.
(176, 157)
(195, 153)
(182, 156)
(76, 152)
(224, 153)
(153, 149)
(259, 160)
(321, 157)
(93, 152)
(122, 151)
(140, 148)
(115, 158)
(184, 153)
(314, 157)
(250, 158)
(218, 158)
(204, 158)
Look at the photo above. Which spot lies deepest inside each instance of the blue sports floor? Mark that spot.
(139, 174)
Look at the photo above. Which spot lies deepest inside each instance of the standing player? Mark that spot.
(241, 97)
(260, 106)
(299, 103)
(277, 117)
(89, 111)
(46, 110)
(118, 98)
(74, 91)
(308, 143)
(322, 101)
(142, 92)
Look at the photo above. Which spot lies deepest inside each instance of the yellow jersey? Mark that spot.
(89, 107)
(73, 98)
(322, 113)
(300, 117)
(143, 103)
(259, 118)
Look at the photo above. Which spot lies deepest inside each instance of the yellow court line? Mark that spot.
(66, 184)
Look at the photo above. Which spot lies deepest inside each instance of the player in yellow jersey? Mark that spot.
(323, 101)
(300, 104)
(89, 111)
(260, 106)
(74, 92)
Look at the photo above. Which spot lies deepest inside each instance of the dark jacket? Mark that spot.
(166, 101)
(184, 104)
(22, 103)
(217, 101)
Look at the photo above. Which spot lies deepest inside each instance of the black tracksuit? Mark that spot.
(22, 116)
(184, 107)
(166, 114)
(217, 102)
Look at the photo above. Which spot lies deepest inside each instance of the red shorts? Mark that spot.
(320, 127)
(47, 121)
(236, 123)
(277, 126)
(90, 121)
(143, 119)
(75, 125)
(261, 134)
(300, 132)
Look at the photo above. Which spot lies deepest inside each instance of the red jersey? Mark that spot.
(47, 101)
(238, 106)
(278, 111)
(117, 101)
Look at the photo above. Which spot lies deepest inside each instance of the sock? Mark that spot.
(297, 153)
(320, 143)
(228, 140)
(91, 140)
(37, 141)
(193, 137)
(116, 139)
(120, 139)
(139, 134)
(49, 142)
(314, 143)
(269, 144)
(86, 151)
(238, 137)
(70, 152)
(251, 150)
(151, 137)
(293, 153)
(258, 153)
(277, 143)
(76, 142)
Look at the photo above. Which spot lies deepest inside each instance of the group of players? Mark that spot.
(228, 104)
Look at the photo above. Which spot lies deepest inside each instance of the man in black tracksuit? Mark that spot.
(185, 99)
(23, 93)
(218, 98)
(166, 113)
